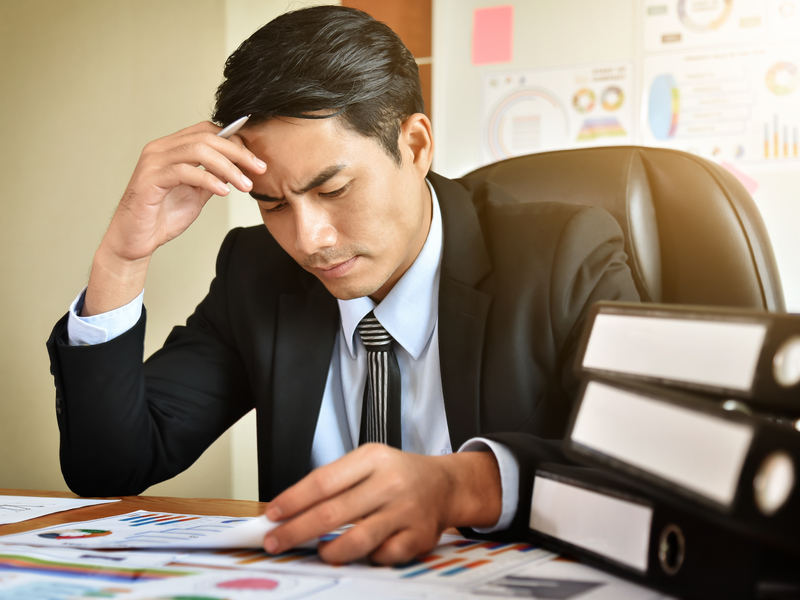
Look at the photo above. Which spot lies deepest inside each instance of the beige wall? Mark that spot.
(85, 84)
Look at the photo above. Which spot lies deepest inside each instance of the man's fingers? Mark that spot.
(403, 547)
(359, 541)
(183, 174)
(328, 515)
(328, 481)
(198, 153)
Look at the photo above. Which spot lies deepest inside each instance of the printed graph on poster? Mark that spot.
(541, 110)
(528, 120)
(738, 106)
(684, 24)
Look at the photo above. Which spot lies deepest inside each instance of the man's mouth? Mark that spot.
(335, 270)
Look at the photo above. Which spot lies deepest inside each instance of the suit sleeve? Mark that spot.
(589, 265)
(124, 424)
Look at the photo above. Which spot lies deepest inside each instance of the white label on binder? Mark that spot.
(609, 526)
(715, 353)
(692, 449)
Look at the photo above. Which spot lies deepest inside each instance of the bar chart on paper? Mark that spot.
(140, 529)
(456, 562)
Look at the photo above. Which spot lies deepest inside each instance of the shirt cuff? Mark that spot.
(509, 479)
(97, 329)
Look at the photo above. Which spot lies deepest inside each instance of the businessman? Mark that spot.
(405, 339)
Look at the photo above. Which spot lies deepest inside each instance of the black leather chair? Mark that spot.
(692, 232)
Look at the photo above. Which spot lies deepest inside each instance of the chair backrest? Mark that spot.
(692, 232)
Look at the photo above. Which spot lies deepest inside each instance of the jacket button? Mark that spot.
(59, 408)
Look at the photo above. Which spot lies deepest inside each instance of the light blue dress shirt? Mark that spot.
(410, 314)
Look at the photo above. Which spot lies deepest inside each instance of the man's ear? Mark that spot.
(416, 142)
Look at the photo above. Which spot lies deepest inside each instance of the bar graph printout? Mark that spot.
(15, 509)
(457, 561)
(143, 529)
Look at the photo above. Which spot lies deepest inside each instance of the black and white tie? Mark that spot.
(380, 413)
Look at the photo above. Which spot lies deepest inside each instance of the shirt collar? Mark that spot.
(409, 311)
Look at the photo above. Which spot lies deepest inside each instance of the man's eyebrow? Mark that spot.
(321, 178)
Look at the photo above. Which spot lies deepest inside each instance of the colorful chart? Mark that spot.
(458, 561)
(663, 107)
(41, 566)
(531, 111)
(612, 99)
(594, 129)
(237, 585)
(706, 15)
(250, 584)
(583, 100)
(143, 529)
(56, 590)
(75, 534)
(529, 120)
(783, 78)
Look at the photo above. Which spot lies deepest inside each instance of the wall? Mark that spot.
(86, 83)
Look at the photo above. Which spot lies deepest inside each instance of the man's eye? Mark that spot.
(336, 193)
(277, 208)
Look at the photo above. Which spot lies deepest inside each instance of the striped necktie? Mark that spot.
(380, 412)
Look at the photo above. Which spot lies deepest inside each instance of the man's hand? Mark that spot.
(401, 503)
(164, 196)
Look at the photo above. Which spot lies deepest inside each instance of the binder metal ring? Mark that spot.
(671, 549)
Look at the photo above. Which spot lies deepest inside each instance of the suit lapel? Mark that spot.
(306, 332)
(462, 309)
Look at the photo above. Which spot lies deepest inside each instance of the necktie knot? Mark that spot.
(374, 336)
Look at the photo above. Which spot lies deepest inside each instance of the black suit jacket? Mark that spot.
(517, 282)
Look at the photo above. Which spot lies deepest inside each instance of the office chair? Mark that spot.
(693, 234)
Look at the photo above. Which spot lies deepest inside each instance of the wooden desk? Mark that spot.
(194, 506)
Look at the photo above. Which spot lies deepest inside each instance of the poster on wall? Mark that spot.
(530, 111)
(739, 105)
(683, 24)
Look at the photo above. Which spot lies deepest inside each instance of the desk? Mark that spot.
(195, 506)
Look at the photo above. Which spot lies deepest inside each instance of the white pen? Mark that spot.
(233, 127)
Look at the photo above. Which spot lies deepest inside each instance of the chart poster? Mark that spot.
(539, 110)
(670, 25)
(739, 106)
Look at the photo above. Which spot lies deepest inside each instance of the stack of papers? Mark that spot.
(146, 554)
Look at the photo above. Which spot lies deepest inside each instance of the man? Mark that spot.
(484, 298)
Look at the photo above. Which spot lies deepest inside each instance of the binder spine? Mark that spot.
(765, 500)
(682, 554)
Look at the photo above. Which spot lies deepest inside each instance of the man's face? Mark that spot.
(339, 205)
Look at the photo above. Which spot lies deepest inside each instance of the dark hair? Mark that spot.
(324, 58)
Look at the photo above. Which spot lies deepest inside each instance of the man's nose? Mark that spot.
(315, 231)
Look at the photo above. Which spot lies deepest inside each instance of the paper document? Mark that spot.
(38, 575)
(456, 561)
(144, 529)
(15, 509)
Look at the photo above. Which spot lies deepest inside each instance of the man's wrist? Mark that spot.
(114, 281)
(476, 498)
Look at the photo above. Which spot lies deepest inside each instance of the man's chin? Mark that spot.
(348, 291)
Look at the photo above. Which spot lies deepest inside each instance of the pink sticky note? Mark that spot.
(750, 184)
(492, 35)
